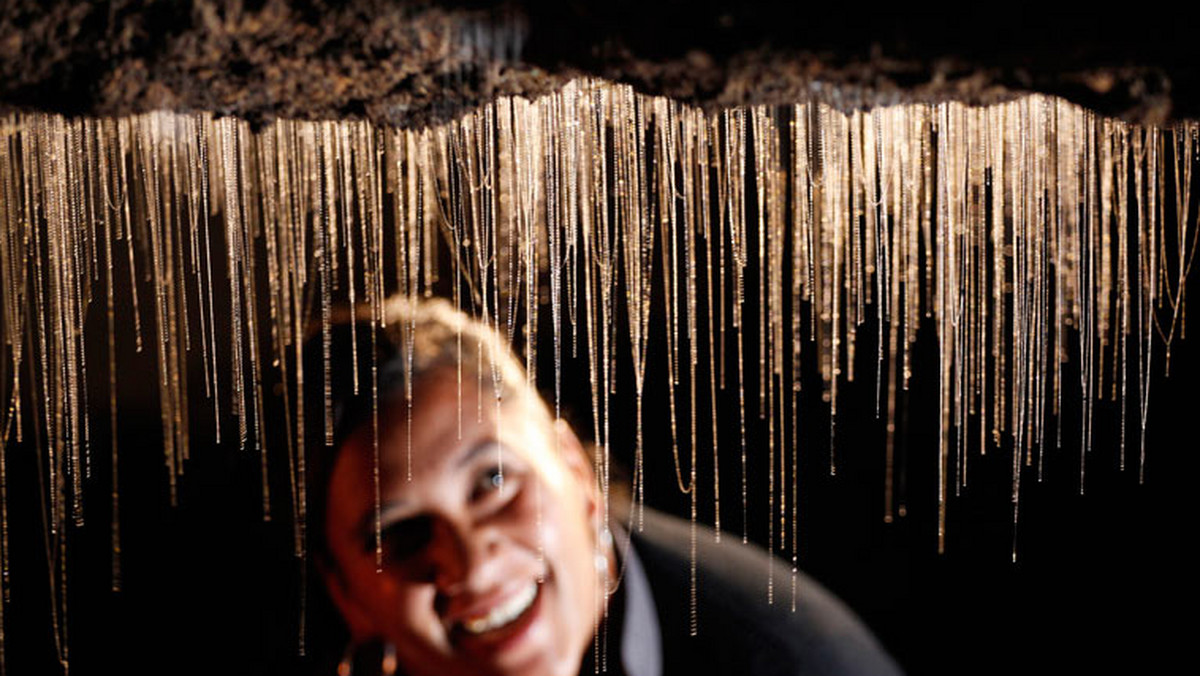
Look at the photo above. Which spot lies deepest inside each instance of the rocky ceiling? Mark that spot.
(407, 63)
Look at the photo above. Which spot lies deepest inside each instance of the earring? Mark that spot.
(387, 661)
(604, 540)
(345, 666)
(387, 665)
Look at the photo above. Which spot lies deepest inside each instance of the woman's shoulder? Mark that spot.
(745, 619)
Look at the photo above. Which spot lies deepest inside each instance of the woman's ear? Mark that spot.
(580, 463)
(357, 622)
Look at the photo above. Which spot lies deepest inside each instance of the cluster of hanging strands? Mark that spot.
(1004, 225)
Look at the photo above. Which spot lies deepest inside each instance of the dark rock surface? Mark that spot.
(407, 63)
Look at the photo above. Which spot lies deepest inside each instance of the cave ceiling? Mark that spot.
(410, 63)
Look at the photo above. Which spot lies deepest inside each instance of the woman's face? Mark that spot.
(480, 576)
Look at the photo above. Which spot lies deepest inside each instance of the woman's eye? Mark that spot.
(488, 481)
(406, 538)
(496, 486)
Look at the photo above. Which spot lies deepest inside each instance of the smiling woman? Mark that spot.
(462, 530)
(476, 578)
(487, 515)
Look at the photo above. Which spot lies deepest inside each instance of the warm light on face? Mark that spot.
(464, 549)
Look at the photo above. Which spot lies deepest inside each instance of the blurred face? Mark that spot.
(477, 577)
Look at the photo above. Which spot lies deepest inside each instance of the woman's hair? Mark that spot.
(415, 339)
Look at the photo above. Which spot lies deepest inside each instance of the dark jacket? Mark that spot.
(738, 631)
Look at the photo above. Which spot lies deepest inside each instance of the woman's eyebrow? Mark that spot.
(366, 525)
(475, 451)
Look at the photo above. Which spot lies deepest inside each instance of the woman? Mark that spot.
(494, 555)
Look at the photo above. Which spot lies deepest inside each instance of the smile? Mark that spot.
(504, 613)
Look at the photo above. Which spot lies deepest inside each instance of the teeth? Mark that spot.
(504, 613)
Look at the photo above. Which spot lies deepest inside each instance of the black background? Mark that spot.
(1100, 580)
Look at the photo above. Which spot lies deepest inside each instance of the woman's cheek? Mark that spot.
(527, 517)
(413, 606)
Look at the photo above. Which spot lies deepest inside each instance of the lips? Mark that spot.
(486, 634)
(503, 613)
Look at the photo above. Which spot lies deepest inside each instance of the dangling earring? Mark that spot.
(345, 666)
(387, 661)
(604, 540)
(387, 665)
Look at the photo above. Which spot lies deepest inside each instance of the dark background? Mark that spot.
(208, 586)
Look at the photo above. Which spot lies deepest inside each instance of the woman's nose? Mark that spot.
(463, 557)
